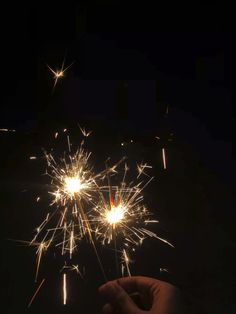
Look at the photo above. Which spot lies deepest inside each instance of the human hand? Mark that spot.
(157, 297)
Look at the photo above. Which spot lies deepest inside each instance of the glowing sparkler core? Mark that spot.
(59, 74)
(73, 185)
(115, 215)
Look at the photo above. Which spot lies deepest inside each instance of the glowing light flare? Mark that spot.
(115, 215)
(73, 185)
(59, 73)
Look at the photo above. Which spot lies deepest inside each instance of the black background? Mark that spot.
(131, 62)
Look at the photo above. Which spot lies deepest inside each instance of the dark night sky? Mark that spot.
(130, 62)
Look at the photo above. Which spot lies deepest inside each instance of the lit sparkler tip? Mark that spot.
(73, 185)
(115, 215)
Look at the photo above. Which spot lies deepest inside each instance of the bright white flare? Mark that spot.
(73, 185)
(115, 215)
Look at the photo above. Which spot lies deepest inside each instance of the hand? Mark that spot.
(157, 297)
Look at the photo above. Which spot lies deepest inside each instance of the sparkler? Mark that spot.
(72, 185)
(83, 205)
(121, 217)
(73, 188)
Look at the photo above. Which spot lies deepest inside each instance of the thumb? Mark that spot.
(116, 295)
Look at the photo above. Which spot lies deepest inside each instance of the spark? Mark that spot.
(126, 260)
(36, 292)
(7, 130)
(148, 221)
(162, 270)
(56, 135)
(84, 132)
(141, 168)
(64, 289)
(33, 157)
(59, 73)
(41, 248)
(164, 158)
(71, 243)
(38, 199)
(73, 268)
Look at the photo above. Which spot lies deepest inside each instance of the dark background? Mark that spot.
(131, 62)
